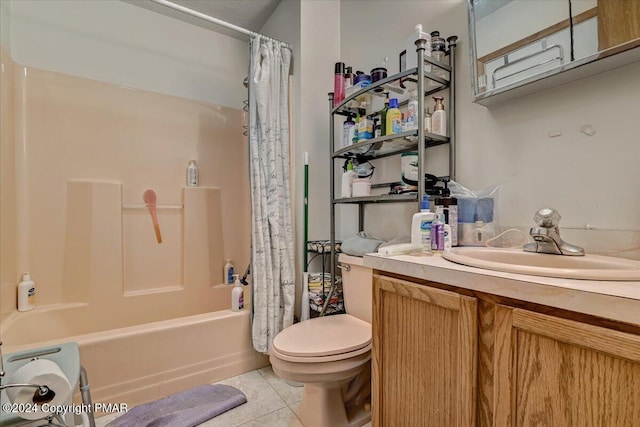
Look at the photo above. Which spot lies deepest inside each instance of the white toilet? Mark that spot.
(331, 356)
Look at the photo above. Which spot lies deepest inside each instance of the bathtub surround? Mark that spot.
(78, 164)
(272, 244)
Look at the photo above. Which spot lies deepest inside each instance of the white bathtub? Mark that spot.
(140, 363)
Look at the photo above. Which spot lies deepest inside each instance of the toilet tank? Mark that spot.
(357, 287)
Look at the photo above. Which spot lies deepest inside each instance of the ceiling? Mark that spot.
(249, 14)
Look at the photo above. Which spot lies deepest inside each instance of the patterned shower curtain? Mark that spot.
(272, 230)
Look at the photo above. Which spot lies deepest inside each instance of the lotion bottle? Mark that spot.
(228, 272)
(237, 295)
(26, 293)
(421, 225)
(439, 117)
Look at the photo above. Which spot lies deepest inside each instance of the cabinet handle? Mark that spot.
(345, 267)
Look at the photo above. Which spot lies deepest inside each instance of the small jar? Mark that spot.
(378, 74)
(361, 187)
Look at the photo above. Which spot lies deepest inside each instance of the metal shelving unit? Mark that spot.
(424, 82)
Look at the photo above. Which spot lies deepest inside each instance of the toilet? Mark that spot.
(331, 356)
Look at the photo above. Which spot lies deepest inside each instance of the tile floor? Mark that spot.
(271, 402)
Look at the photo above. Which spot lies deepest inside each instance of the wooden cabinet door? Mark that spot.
(424, 356)
(557, 372)
(618, 22)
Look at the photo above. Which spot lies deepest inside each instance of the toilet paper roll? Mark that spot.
(40, 372)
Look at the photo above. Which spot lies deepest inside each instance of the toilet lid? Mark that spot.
(324, 336)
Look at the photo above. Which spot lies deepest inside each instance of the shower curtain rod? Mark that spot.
(213, 20)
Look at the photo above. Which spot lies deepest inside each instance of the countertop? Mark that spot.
(618, 301)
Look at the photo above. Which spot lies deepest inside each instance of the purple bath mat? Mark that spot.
(186, 409)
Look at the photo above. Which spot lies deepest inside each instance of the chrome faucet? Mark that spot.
(547, 235)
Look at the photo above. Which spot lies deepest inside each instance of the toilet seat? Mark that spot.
(323, 339)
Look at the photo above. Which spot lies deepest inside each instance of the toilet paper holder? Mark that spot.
(43, 394)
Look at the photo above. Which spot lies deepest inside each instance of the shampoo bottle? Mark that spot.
(192, 174)
(346, 131)
(237, 295)
(394, 118)
(439, 117)
(26, 293)
(228, 272)
(421, 225)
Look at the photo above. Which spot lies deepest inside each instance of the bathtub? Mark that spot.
(136, 364)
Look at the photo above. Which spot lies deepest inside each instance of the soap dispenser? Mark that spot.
(448, 207)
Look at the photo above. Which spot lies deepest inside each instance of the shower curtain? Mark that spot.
(271, 224)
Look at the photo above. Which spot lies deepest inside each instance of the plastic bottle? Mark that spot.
(228, 272)
(365, 125)
(394, 118)
(412, 112)
(338, 83)
(237, 295)
(383, 115)
(437, 234)
(427, 122)
(447, 206)
(439, 117)
(411, 57)
(353, 133)
(349, 78)
(192, 174)
(348, 124)
(26, 293)
(421, 225)
(447, 236)
(347, 179)
(438, 52)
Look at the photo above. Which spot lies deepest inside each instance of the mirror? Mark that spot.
(518, 42)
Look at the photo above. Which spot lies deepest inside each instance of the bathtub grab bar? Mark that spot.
(85, 392)
(145, 206)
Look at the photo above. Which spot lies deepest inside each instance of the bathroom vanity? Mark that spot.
(458, 345)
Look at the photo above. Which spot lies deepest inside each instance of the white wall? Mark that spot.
(589, 179)
(120, 43)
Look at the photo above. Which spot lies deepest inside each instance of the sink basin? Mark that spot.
(588, 267)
